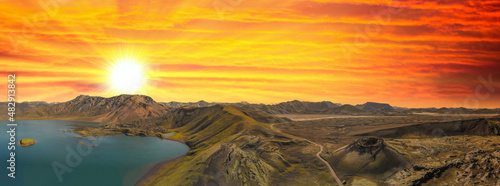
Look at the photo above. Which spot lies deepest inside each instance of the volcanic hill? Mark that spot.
(368, 157)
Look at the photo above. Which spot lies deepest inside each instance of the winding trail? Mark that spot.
(332, 172)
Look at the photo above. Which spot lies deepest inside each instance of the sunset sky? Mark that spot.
(422, 53)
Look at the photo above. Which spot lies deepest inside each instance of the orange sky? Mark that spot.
(407, 53)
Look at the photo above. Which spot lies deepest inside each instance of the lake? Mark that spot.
(64, 158)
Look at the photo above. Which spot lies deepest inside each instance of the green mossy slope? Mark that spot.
(230, 148)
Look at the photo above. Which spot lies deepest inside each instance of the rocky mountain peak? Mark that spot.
(117, 109)
(135, 98)
(81, 97)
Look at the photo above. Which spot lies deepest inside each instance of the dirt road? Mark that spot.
(332, 172)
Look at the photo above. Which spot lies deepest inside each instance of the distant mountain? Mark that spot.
(111, 110)
(118, 109)
(479, 126)
(459, 110)
(289, 107)
(327, 107)
(399, 108)
(301, 107)
(376, 106)
(345, 110)
(22, 107)
(292, 107)
(174, 105)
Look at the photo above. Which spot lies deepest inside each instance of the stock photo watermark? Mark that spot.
(11, 126)
(224, 6)
(370, 30)
(74, 157)
(482, 92)
(32, 24)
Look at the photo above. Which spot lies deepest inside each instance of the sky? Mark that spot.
(409, 53)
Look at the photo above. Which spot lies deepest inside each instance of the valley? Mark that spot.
(430, 144)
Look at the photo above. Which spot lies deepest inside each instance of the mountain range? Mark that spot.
(118, 109)
(126, 108)
(233, 143)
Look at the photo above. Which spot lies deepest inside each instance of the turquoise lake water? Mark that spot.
(115, 159)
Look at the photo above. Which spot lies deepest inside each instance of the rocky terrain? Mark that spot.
(452, 160)
(467, 153)
(408, 150)
(118, 109)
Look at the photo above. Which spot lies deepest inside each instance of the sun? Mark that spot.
(127, 69)
(127, 76)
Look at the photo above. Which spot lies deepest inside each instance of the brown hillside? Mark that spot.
(118, 109)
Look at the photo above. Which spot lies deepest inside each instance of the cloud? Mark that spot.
(262, 51)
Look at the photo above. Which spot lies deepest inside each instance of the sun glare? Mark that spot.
(127, 76)
(127, 71)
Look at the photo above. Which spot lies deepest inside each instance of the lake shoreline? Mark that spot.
(113, 160)
(158, 170)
